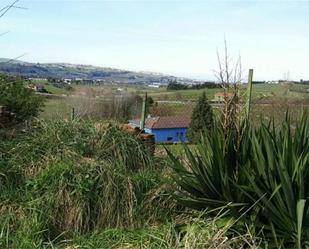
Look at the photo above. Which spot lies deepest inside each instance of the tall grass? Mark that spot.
(72, 177)
(193, 233)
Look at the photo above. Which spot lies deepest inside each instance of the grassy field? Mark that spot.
(269, 99)
(258, 91)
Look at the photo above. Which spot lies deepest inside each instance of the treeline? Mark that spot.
(178, 86)
(304, 82)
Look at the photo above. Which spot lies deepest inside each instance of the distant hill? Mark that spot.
(72, 71)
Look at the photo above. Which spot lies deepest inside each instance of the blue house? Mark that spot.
(165, 129)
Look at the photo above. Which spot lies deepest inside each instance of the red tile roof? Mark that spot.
(164, 122)
(223, 94)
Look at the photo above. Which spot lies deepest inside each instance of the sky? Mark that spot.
(177, 37)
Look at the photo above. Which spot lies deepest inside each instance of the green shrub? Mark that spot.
(19, 99)
(279, 169)
(266, 178)
(202, 119)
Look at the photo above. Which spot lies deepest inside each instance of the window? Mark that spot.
(169, 139)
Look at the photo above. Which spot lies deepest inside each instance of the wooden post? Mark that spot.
(249, 92)
(73, 114)
(142, 123)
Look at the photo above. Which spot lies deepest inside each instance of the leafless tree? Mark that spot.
(3, 11)
(229, 75)
(7, 8)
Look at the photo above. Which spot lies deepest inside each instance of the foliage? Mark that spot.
(62, 179)
(280, 171)
(117, 107)
(202, 118)
(190, 233)
(19, 99)
(117, 144)
(77, 197)
(177, 86)
(51, 140)
(70, 184)
(265, 178)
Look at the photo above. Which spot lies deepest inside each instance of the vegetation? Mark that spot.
(18, 99)
(260, 184)
(202, 118)
(86, 183)
(72, 177)
(177, 86)
(80, 183)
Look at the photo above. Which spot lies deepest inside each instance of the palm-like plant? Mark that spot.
(210, 176)
(269, 170)
(280, 169)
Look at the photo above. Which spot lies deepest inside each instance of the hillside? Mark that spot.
(73, 71)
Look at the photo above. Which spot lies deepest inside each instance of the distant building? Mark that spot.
(219, 96)
(165, 129)
(154, 86)
(40, 88)
(67, 81)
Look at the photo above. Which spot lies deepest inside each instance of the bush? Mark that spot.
(265, 179)
(19, 99)
(202, 119)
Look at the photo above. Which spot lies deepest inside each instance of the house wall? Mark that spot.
(168, 134)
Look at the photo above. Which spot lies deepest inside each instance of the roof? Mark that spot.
(164, 122)
(223, 94)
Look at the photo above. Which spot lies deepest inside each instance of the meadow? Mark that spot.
(268, 99)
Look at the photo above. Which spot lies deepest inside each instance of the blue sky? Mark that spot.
(174, 37)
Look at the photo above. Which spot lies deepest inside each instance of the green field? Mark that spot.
(269, 99)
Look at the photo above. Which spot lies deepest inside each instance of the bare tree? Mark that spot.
(3, 11)
(229, 75)
(6, 8)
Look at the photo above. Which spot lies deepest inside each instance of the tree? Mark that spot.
(173, 85)
(202, 118)
(19, 99)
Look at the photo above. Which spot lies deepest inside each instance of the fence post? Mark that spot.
(142, 123)
(73, 114)
(249, 92)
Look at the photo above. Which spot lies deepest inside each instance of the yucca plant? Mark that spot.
(210, 176)
(279, 169)
(265, 176)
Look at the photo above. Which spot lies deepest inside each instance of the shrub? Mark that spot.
(19, 99)
(265, 178)
(202, 118)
